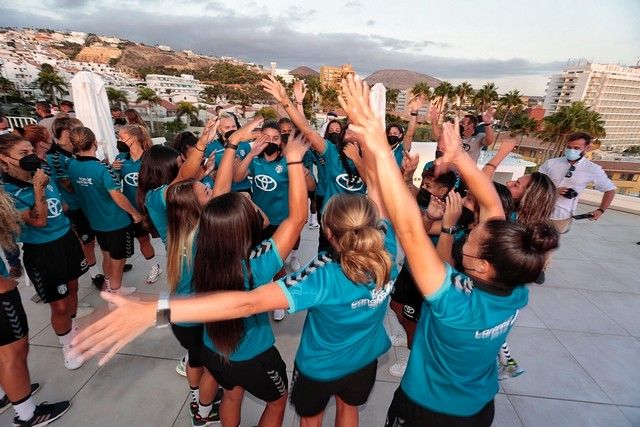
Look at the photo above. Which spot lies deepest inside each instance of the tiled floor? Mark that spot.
(579, 341)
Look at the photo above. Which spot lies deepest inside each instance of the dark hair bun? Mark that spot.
(543, 237)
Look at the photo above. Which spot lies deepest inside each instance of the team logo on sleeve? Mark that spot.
(265, 182)
(131, 179)
(279, 169)
(54, 207)
(350, 185)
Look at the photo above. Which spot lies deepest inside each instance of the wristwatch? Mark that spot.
(450, 230)
(163, 312)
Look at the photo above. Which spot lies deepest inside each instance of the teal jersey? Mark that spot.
(452, 367)
(320, 172)
(59, 161)
(243, 150)
(431, 163)
(265, 262)
(398, 153)
(270, 188)
(156, 203)
(129, 175)
(92, 181)
(23, 196)
(344, 330)
(3, 269)
(335, 177)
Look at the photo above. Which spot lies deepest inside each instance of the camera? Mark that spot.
(570, 193)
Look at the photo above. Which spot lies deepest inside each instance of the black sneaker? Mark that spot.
(5, 403)
(127, 267)
(45, 414)
(198, 421)
(540, 279)
(98, 281)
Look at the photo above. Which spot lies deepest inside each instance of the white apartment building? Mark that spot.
(611, 90)
(21, 73)
(403, 99)
(175, 89)
(282, 73)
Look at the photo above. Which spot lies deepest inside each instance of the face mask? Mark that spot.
(122, 147)
(284, 137)
(228, 134)
(467, 217)
(5, 131)
(439, 153)
(393, 139)
(121, 121)
(461, 130)
(572, 154)
(30, 163)
(334, 138)
(271, 149)
(423, 198)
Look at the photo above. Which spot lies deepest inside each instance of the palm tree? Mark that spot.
(50, 83)
(148, 95)
(486, 95)
(7, 88)
(463, 91)
(523, 125)
(445, 92)
(422, 88)
(576, 117)
(329, 98)
(117, 97)
(184, 108)
(392, 99)
(508, 102)
(212, 92)
(314, 89)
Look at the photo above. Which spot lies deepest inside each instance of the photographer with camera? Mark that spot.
(571, 174)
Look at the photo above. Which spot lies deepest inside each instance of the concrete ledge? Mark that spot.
(620, 202)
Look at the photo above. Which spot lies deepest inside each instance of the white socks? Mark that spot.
(204, 410)
(25, 410)
(195, 394)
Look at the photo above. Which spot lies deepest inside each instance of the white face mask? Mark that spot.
(5, 131)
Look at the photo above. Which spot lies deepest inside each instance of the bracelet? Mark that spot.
(600, 209)
(196, 147)
(231, 146)
(413, 114)
(299, 162)
(492, 165)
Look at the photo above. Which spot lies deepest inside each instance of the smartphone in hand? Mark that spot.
(582, 216)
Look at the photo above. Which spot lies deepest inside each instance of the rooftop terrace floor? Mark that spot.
(579, 341)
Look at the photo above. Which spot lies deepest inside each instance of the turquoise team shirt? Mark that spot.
(57, 222)
(344, 330)
(129, 175)
(59, 163)
(156, 203)
(3, 269)
(452, 367)
(92, 180)
(270, 189)
(243, 149)
(398, 153)
(334, 177)
(265, 262)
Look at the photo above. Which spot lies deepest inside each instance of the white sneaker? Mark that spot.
(181, 367)
(313, 224)
(397, 369)
(71, 363)
(278, 314)
(84, 310)
(398, 340)
(154, 274)
(294, 263)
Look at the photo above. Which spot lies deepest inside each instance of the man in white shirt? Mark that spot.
(473, 141)
(571, 174)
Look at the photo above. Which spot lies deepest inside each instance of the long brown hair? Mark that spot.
(229, 229)
(82, 138)
(353, 222)
(133, 118)
(538, 200)
(35, 134)
(140, 133)
(10, 221)
(183, 214)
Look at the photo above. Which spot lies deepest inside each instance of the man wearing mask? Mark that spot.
(571, 174)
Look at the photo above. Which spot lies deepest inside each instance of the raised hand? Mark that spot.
(352, 151)
(299, 90)
(450, 142)
(487, 116)
(246, 132)
(272, 86)
(436, 208)
(416, 102)
(453, 209)
(434, 112)
(40, 179)
(259, 145)
(117, 164)
(210, 130)
(211, 164)
(295, 148)
(410, 164)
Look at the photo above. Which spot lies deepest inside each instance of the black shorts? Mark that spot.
(264, 376)
(13, 320)
(268, 231)
(405, 292)
(403, 412)
(311, 194)
(51, 266)
(190, 338)
(80, 225)
(310, 397)
(118, 243)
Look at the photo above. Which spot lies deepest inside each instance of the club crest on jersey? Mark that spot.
(279, 169)
(343, 181)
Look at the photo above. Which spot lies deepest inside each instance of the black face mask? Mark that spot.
(461, 131)
(271, 149)
(121, 121)
(423, 198)
(284, 137)
(30, 163)
(439, 153)
(467, 217)
(228, 134)
(122, 147)
(334, 138)
(393, 139)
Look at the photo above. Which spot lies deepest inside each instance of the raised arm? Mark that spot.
(299, 91)
(489, 133)
(275, 88)
(434, 117)
(242, 166)
(452, 213)
(192, 165)
(352, 151)
(415, 104)
(37, 215)
(506, 147)
(428, 269)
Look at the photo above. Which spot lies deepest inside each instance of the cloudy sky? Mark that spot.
(516, 44)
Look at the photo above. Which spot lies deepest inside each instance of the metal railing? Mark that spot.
(20, 122)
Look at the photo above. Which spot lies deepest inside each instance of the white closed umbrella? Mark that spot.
(92, 108)
(378, 101)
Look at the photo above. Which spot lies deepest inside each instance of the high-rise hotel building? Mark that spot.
(611, 90)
